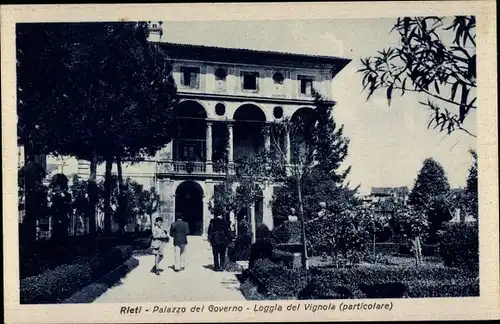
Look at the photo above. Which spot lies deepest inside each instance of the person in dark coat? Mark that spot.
(219, 235)
(179, 230)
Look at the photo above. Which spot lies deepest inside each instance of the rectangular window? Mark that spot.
(306, 85)
(250, 81)
(190, 77)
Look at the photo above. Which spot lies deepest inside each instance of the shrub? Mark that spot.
(443, 288)
(240, 250)
(378, 258)
(278, 279)
(55, 285)
(386, 282)
(288, 232)
(279, 256)
(58, 284)
(459, 246)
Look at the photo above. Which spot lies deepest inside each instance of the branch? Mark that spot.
(433, 95)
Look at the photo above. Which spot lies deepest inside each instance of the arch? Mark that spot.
(189, 136)
(248, 138)
(305, 117)
(190, 108)
(189, 204)
(249, 111)
(307, 114)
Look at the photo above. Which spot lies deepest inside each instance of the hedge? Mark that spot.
(239, 250)
(363, 282)
(54, 286)
(278, 279)
(459, 246)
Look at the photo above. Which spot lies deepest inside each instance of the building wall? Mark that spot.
(266, 86)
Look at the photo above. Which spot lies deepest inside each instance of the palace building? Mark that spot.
(225, 91)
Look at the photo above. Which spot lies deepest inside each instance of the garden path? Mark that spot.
(197, 283)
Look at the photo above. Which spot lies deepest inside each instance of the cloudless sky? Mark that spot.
(387, 144)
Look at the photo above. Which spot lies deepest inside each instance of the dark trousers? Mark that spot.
(219, 252)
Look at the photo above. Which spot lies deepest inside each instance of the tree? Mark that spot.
(471, 187)
(81, 203)
(314, 174)
(150, 201)
(60, 206)
(431, 195)
(113, 89)
(427, 63)
(30, 181)
(413, 226)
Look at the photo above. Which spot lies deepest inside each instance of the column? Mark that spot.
(208, 145)
(287, 146)
(230, 153)
(253, 224)
(267, 139)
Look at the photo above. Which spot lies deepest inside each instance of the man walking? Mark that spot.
(179, 230)
(218, 235)
(160, 238)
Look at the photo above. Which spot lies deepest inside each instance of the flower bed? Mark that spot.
(374, 281)
(54, 286)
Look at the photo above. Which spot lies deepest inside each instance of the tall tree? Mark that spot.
(435, 58)
(431, 195)
(471, 187)
(111, 87)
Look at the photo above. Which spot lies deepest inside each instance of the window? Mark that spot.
(220, 79)
(250, 81)
(278, 78)
(190, 77)
(220, 109)
(306, 85)
(278, 112)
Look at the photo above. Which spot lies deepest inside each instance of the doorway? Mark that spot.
(189, 204)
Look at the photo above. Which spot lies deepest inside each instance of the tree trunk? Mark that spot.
(93, 196)
(121, 209)
(107, 195)
(303, 225)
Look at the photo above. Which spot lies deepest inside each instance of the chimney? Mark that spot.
(155, 31)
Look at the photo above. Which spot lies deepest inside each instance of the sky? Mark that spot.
(387, 144)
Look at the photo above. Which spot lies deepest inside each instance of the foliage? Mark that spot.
(96, 77)
(279, 279)
(33, 198)
(112, 87)
(129, 203)
(342, 235)
(431, 195)
(81, 206)
(240, 249)
(459, 246)
(60, 205)
(56, 285)
(409, 223)
(430, 62)
(318, 149)
(471, 188)
(150, 202)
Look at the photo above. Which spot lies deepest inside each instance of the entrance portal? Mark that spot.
(189, 203)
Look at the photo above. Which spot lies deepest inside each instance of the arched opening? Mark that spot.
(189, 139)
(304, 119)
(248, 137)
(189, 205)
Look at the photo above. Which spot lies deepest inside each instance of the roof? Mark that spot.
(259, 57)
(390, 190)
